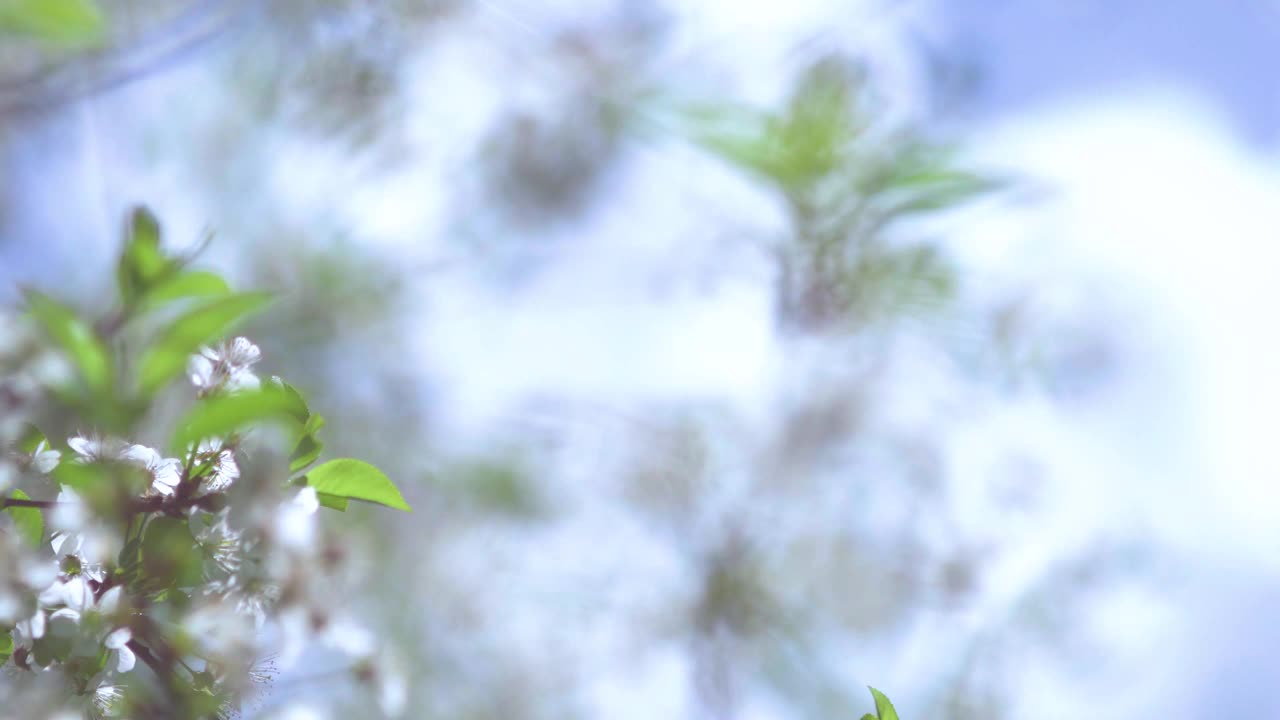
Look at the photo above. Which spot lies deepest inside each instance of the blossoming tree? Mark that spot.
(177, 556)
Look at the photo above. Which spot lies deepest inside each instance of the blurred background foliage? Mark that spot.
(567, 548)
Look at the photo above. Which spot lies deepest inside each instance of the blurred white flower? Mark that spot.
(117, 642)
(107, 700)
(221, 630)
(45, 459)
(390, 685)
(295, 520)
(223, 470)
(222, 545)
(73, 594)
(94, 448)
(69, 513)
(349, 638)
(165, 473)
(109, 603)
(299, 712)
(28, 631)
(69, 549)
(225, 366)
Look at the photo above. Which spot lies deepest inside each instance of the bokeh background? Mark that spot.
(734, 355)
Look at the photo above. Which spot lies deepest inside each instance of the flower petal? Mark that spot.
(118, 638)
(127, 660)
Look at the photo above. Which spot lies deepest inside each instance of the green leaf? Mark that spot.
(168, 356)
(30, 439)
(190, 284)
(79, 476)
(142, 262)
(868, 716)
(76, 338)
(332, 501)
(53, 646)
(309, 446)
(28, 521)
(307, 452)
(299, 404)
(884, 708)
(170, 557)
(6, 646)
(56, 22)
(221, 415)
(348, 478)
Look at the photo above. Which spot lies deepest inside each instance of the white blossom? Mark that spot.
(225, 366)
(69, 514)
(107, 700)
(295, 520)
(94, 448)
(222, 545)
(45, 459)
(28, 631)
(392, 687)
(73, 594)
(223, 469)
(117, 642)
(165, 473)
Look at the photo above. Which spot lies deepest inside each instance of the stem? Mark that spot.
(19, 502)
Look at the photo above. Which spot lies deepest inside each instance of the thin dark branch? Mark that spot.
(19, 502)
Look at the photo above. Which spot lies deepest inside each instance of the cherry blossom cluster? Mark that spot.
(167, 578)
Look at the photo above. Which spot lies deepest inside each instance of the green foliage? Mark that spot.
(356, 480)
(79, 476)
(847, 186)
(184, 285)
(54, 22)
(309, 446)
(31, 439)
(142, 262)
(170, 557)
(167, 357)
(6, 647)
(333, 502)
(76, 338)
(226, 414)
(27, 521)
(501, 485)
(884, 708)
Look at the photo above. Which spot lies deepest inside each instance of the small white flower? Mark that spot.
(165, 473)
(349, 638)
(45, 459)
(223, 469)
(71, 551)
(117, 641)
(392, 687)
(107, 700)
(69, 514)
(93, 448)
(73, 594)
(222, 545)
(295, 520)
(28, 631)
(109, 603)
(307, 500)
(225, 365)
(300, 712)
